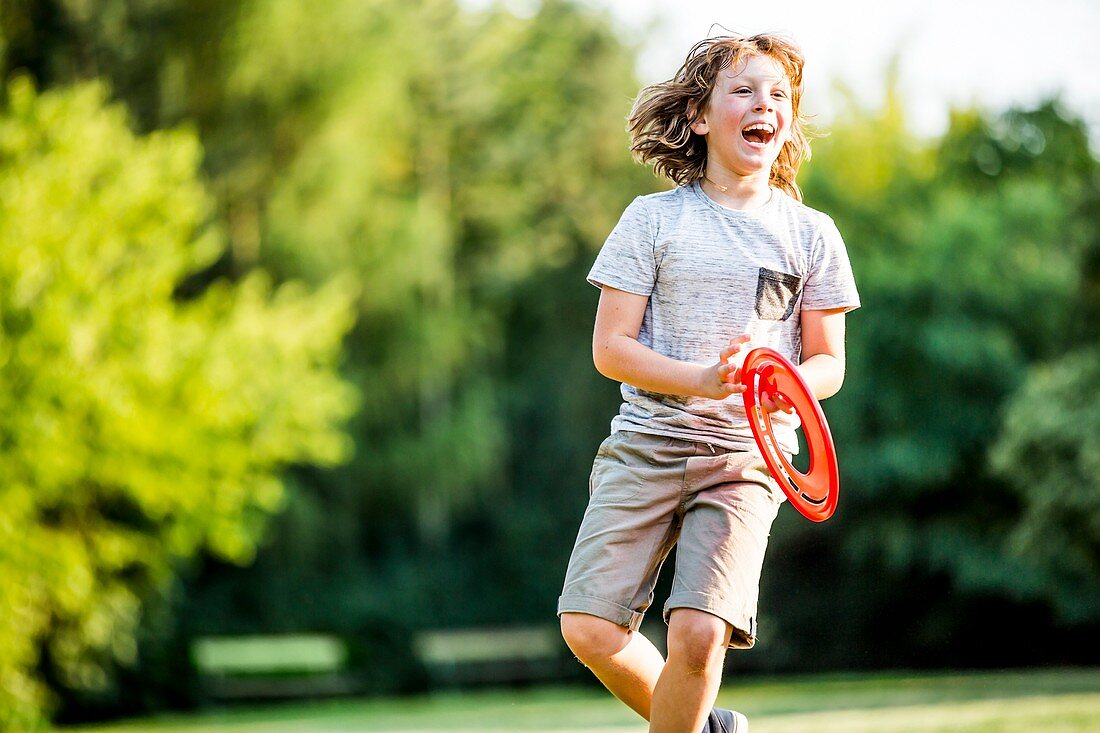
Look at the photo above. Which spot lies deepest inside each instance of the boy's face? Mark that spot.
(748, 117)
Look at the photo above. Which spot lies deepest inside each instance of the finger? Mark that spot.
(775, 403)
(738, 341)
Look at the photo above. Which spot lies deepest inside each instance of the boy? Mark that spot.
(688, 278)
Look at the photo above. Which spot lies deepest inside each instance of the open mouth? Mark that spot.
(760, 133)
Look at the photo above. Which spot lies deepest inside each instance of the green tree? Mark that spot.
(431, 152)
(456, 156)
(1048, 454)
(140, 424)
(438, 156)
(160, 56)
(969, 251)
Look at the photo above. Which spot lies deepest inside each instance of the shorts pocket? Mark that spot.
(620, 469)
(776, 294)
(612, 482)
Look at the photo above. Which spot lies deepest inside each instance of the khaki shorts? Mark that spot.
(649, 492)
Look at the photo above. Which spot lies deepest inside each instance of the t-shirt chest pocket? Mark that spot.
(776, 294)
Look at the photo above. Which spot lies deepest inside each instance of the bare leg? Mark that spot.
(623, 660)
(689, 682)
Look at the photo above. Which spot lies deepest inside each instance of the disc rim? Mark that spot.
(823, 476)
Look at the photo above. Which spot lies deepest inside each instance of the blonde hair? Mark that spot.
(660, 122)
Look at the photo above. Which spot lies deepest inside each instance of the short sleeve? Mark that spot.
(626, 261)
(830, 283)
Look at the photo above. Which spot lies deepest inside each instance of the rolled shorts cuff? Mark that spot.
(744, 625)
(602, 608)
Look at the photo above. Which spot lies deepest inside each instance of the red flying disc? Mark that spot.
(814, 493)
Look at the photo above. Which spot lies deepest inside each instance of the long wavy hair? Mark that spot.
(660, 122)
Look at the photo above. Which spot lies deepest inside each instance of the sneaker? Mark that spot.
(721, 720)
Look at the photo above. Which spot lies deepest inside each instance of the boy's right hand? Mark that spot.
(724, 378)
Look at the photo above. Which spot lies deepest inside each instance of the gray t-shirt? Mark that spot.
(711, 273)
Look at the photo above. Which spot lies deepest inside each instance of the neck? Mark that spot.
(736, 192)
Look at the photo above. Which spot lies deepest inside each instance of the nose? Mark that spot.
(763, 104)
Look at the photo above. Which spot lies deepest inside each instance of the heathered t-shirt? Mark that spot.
(711, 273)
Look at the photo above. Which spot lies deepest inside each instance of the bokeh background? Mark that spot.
(294, 333)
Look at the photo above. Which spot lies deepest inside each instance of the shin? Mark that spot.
(623, 660)
(688, 685)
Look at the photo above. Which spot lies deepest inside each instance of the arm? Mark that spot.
(823, 351)
(618, 355)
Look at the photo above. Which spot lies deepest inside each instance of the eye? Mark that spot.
(741, 90)
(779, 94)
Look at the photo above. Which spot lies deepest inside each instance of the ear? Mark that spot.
(699, 126)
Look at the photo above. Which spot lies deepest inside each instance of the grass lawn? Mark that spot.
(1046, 701)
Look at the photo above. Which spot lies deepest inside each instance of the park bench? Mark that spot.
(272, 666)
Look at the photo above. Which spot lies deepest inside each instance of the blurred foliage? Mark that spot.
(1049, 456)
(138, 428)
(972, 273)
(442, 167)
(466, 168)
(447, 175)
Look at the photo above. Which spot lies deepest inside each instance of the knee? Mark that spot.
(591, 637)
(698, 640)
